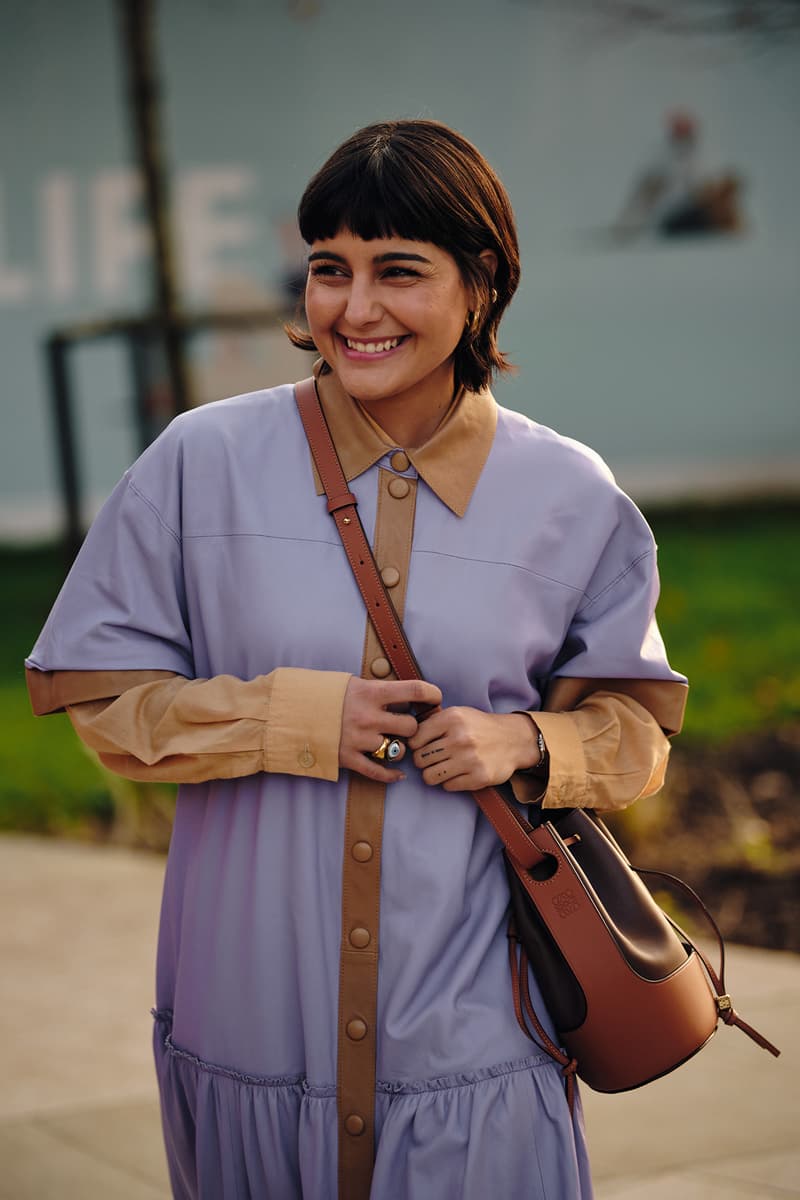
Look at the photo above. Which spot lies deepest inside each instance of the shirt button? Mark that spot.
(354, 1124)
(399, 461)
(380, 667)
(399, 487)
(305, 758)
(390, 576)
(356, 1029)
(359, 938)
(362, 852)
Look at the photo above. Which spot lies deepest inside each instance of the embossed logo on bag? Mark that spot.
(566, 903)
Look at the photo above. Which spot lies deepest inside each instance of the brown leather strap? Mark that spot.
(727, 1012)
(521, 994)
(342, 507)
(510, 827)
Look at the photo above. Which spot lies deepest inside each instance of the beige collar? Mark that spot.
(450, 462)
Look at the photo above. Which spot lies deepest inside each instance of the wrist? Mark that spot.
(532, 755)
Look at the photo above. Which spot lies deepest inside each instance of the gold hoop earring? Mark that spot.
(494, 295)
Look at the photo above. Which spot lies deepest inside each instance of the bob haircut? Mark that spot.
(422, 181)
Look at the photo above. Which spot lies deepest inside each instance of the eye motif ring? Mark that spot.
(390, 749)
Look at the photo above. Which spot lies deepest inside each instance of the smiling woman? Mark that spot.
(333, 1010)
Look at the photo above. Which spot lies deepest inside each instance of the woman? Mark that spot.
(333, 1007)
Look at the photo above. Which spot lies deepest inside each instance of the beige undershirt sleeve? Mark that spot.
(177, 730)
(608, 750)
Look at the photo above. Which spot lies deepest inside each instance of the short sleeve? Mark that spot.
(123, 604)
(614, 633)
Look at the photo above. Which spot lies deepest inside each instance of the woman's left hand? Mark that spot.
(464, 749)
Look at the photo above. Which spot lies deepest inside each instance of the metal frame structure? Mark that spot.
(141, 334)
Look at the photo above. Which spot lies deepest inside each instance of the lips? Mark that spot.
(373, 346)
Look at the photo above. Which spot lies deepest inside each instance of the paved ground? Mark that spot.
(78, 1113)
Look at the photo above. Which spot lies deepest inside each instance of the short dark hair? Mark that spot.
(423, 181)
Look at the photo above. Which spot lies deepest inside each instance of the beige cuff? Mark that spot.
(304, 723)
(567, 782)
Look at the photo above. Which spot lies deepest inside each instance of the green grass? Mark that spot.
(48, 783)
(728, 611)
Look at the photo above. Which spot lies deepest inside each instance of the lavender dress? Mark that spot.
(215, 555)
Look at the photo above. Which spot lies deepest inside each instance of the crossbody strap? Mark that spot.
(512, 830)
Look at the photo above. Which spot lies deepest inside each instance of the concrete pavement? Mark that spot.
(78, 1109)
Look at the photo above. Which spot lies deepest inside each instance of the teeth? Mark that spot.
(371, 347)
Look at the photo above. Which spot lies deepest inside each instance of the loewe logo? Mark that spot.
(566, 903)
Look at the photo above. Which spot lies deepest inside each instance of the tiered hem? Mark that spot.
(499, 1131)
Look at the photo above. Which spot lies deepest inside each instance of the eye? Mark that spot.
(331, 270)
(400, 273)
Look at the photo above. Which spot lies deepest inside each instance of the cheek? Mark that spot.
(320, 313)
(446, 313)
(448, 323)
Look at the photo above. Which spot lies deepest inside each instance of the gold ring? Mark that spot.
(380, 753)
(389, 748)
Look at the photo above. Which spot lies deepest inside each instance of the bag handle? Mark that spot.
(514, 831)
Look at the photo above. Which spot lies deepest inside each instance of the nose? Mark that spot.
(363, 306)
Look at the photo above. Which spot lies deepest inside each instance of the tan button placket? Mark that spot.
(361, 878)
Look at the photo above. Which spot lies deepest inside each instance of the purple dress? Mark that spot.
(215, 555)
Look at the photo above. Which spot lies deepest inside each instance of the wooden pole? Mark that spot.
(137, 19)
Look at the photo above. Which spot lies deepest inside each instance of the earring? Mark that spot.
(494, 295)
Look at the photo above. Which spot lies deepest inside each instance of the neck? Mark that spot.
(410, 420)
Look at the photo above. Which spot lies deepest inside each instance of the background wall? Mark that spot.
(675, 358)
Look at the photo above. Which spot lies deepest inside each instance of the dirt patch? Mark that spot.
(728, 822)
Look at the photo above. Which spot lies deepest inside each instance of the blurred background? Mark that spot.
(151, 159)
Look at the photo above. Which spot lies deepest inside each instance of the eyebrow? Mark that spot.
(392, 256)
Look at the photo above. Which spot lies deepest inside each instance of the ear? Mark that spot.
(489, 259)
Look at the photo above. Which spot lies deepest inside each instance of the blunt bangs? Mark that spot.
(378, 193)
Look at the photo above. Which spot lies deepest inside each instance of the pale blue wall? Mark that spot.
(678, 363)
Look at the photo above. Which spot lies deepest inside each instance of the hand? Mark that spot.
(464, 749)
(368, 716)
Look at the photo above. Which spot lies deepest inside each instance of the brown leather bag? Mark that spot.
(631, 997)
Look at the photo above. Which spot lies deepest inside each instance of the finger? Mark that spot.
(367, 746)
(371, 768)
(430, 730)
(409, 691)
(402, 724)
(438, 774)
(430, 755)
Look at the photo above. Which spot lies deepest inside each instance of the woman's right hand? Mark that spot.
(368, 717)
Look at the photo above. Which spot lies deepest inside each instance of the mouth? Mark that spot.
(372, 348)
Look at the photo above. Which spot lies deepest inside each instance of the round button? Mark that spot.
(359, 938)
(354, 1124)
(380, 667)
(305, 758)
(356, 1029)
(399, 461)
(399, 487)
(390, 576)
(362, 852)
